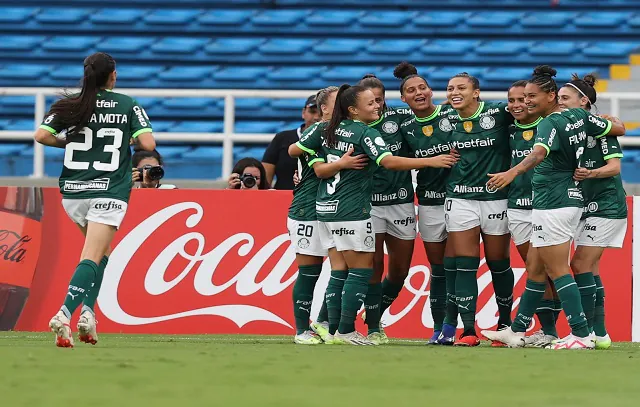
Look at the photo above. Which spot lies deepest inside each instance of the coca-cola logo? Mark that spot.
(12, 246)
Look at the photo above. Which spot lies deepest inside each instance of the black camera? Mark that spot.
(248, 180)
(154, 172)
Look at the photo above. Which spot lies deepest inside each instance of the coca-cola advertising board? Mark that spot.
(220, 262)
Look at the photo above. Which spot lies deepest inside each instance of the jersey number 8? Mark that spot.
(331, 186)
(87, 144)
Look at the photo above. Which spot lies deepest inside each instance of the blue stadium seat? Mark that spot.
(21, 125)
(255, 152)
(188, 103)
(610, 49)
(258, 127)
(178, 45)
(16, 15)
(449, 47)
(506, 74)
(70, 44)
(251, 104)
(395, 47)
(197, 127)
(137, 72)
(600, 19)
(292, 106)
(634, 21)
(232, 18)
(172, 152)
(332, 18)
(445, 73)
(634, 132)
(172, 17)
(493, 19)
(438, 19)
(279, 18)
(286, 46)
(547, 19)
(62, 16)
(25, 43)
(297, 73)
(240, 73)
(240, 46)
(347, 73)
(554, 48)
(339, 46)
(161, 126)
(68, 73)
(23, 71)
(386, 18)
(120, 45)
(120, 16)
(564, 73)
(200, 163)
(186, 73)
(502, 48)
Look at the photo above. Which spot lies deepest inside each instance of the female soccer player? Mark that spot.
(473, 208)
(604, 220)
(96, 179)
(557, 207)
(303, 230)
(343, 202)
(427, 134)
(522, 137)
(392, 215)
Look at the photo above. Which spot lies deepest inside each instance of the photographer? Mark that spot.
(148, 171)
(248, 173)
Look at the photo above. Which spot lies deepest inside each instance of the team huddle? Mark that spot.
(540, 170)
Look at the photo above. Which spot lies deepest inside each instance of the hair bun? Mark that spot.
(369, 75)
(404, 69)
(544, 70)
(590, 79)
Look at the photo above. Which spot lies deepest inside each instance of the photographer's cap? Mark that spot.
(311, 102)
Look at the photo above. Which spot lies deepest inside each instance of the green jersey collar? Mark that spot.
(476, 114)
(527, 126)
(431, 116)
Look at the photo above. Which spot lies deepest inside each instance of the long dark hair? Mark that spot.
(140, 155)
(252, 162)
(347, 97)
(75, 110)
(585, 87)
(370, 81)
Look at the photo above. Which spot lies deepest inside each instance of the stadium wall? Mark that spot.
(219, 262)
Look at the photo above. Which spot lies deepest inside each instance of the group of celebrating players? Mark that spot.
(539, 169)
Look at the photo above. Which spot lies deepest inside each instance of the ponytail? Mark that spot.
(347, 97)
(74, 111)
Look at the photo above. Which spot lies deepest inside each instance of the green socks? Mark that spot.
(450, 272)
(372, 305)
(571, 304)
(557, 308)
(598, 317)
(546, 313)
(467, 292)
(323, 315)
(79, 286)
(354, 295)
(89, 302)
(303, 295)
(531, 297)
(333, 297)
(502, 277)
(587, 286)
(438, 295)
(390, 291)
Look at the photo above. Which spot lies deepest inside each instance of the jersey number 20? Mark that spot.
(87, 144)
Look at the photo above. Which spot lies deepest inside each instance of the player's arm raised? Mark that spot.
(346, 162)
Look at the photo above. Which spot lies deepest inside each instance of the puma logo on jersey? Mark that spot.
(106, 104)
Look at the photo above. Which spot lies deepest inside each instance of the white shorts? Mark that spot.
(601, 232)
(519, 225)
(552, 227)
(466, 214)
(106, 211)
(354, 235)
(431, 223)
(305, 237)
(397, 220)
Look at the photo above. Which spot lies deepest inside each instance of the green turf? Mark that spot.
(160, 370)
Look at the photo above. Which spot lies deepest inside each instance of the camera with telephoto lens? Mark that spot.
(248, 180)
(154, 172)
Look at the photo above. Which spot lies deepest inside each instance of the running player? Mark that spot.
(474, 209)
(604, 220)
(522, 135)
(96, 179)
(557, 207)
(426, 134)
(343, 202)
(392, 214)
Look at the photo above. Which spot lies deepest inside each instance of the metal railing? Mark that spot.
(228, 137)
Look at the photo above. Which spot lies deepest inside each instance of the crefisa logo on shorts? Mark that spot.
(343, 232)
(107, 206)
(368, 241)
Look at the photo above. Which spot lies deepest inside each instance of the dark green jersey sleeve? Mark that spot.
(546, 136)
(610, 147)
(139, 120)
(311, 140)
(374, 146)
(51, 124)
(597, 126)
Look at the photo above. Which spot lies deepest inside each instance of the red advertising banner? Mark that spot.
(194, 261)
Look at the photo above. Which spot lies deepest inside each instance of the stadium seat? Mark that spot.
(448, 47)
(23, 71)
(232, 18)
(16, 15)
(203, 162)
(554, 48)
(332, 18)
(177, 45)
(340, 47)
(240, 73)
(347, 73)
(547, 19)
(197, 127)
(123, 45)
(138, 73)
(386, 18)
(25, 43)
(279, 18)
(112, 15)
(501, 48)
(297, 73)
(62, 16)
(286, 46)
(600, 19)
(439, 19)
(67, 74)
(172, 17)
(186, 73)
(162, 126)
(226, 46)
(493, 19)
(610, 49)
(258, 127)
(291, 106)
(395, 48)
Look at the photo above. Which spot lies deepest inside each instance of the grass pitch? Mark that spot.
(211, 370)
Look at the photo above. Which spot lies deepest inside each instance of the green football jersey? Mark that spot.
(392, 187)
(347, 195)
(521, 140)
(603, 197)
(483, 143)
(97, 162)
(303, 206)
(564, 136)
(429, 137)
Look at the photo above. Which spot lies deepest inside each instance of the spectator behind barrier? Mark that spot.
(148, 171)
(248, 173)
(276, 158)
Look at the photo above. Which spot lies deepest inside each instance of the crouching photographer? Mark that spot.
(248, 173)
(148, 171)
